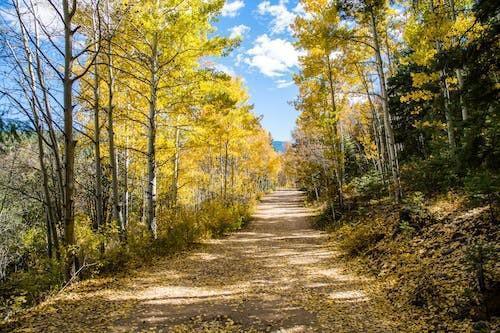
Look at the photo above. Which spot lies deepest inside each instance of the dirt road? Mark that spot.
(278, 275)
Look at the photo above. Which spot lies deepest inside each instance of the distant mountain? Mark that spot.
(280, 146)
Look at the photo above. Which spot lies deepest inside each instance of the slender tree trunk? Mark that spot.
(151, 180)
(336, 140)
(176, 162)
(40, 140)
(233, 167)
(450, 127)
(342, 159)
(115, 197)
(97, 143)
(376, 137)
(391, 146)
(315, 190)
(388, 50)
(144, 205)
(49, 234)
(116, 209)
(126, 196)
(377, 126)
(51, 219)
(221, 171)
(69, 142)
(447, 112)
(463, 105)
(210, 171)
(54, 144)
(459, 71)
(98, 172)
(224, 193)
(54, 209)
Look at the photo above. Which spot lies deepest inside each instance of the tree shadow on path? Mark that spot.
(278, 275)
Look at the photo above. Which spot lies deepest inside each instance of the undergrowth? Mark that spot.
(105, 253)
(437, 258)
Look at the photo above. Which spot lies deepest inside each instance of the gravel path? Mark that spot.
(278, 275)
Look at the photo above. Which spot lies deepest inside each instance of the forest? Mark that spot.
(119, 136)
(398, 138)
(131, 165)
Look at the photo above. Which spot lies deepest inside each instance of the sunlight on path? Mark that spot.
(278, 275)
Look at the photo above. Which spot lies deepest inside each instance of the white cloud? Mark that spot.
(226, 69)
(273, 57)
(239, 59)
(283, 83)
(282, 17)
(231, 8)
(238, 31)
(45, 14)
(299, 10)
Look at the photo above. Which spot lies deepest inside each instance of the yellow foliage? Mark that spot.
(417, 95)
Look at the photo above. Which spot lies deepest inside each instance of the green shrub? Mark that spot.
(177, 230)
(220, 219)
(413, 216)
(480, 260)
(370, 184)
(182, 228)
(484, 186)
(105, 252)
(27, 287)
(325, 220)
(430, 176)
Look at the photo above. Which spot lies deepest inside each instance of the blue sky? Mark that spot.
(265, 59)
